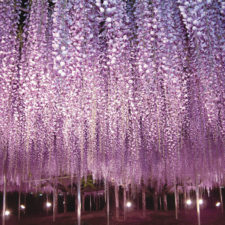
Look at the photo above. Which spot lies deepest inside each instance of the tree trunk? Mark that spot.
(117, 200)
(90, 204)
(46, 202)
(96, 202)
(165, 206)
(4, 199)
(138, 201)
(185, 198)
(221, 200)
(198, 205)
(83, 203)
(124, 204)
(143, 201)
(176, 198)
(155, 201)
(65, 202)
(107, 203)
(160, 202)
(55, 203)
(19, 203)
(78, 202)
(75, 202)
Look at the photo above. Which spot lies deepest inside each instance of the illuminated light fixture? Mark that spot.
(200, 201)
(218, 204)
(40, 194)
(129, 204)
(7, 212)
(22, 207)
(48, 204)
(189, 202)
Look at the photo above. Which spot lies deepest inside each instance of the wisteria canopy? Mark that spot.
(124, 90)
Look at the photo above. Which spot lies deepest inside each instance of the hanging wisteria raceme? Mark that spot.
(125, 90)
(81, 85)
(10, 100)
(149, 126)
(37, 91)
(120, 98)
(206, 67)
(161, 69)
(169, 58)
(60, 57)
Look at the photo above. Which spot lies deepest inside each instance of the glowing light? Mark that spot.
(7, 213)
(189, 202)
(218, 204)
(129, 204)
(200, 201)
(22, 207)
(48, 204)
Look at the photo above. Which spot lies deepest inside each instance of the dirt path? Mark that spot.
(209, 217)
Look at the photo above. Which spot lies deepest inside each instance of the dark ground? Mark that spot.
(208, 217)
